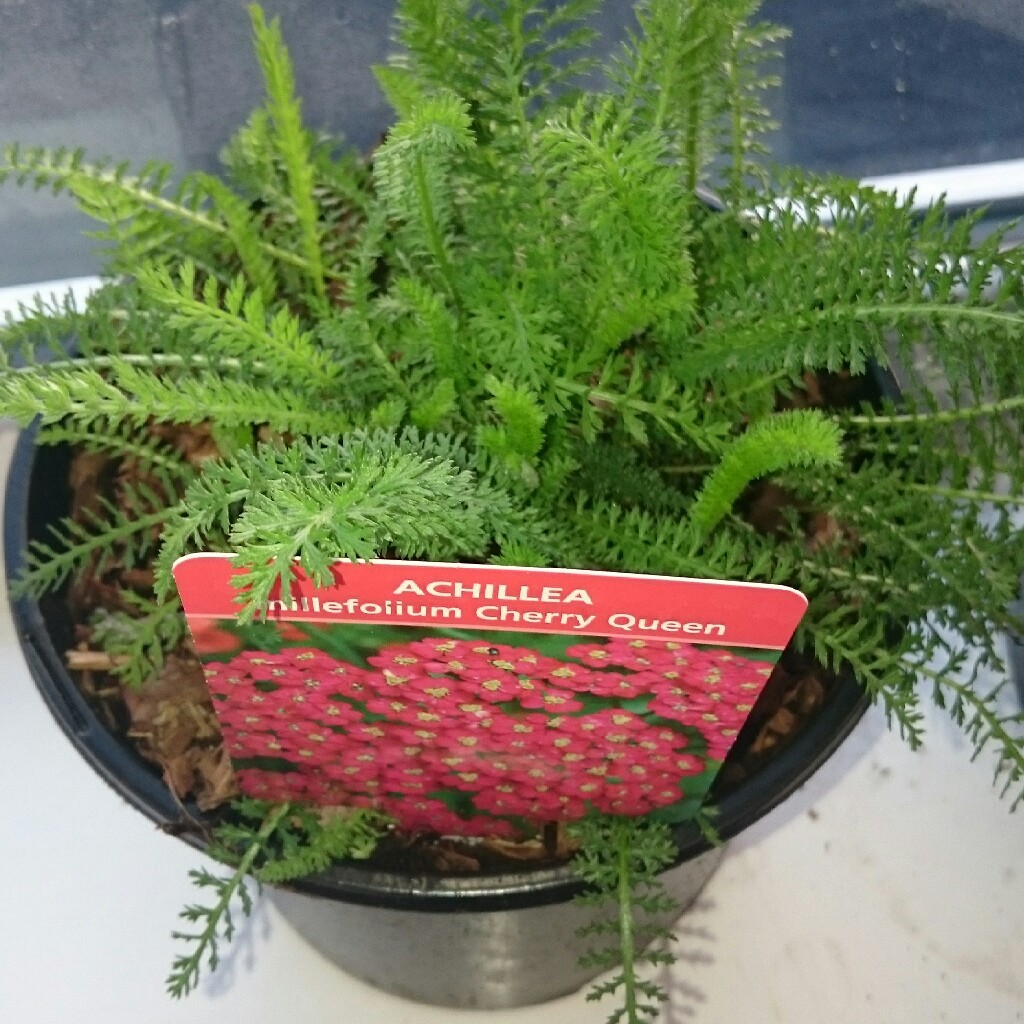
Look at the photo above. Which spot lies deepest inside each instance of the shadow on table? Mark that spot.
(692, 951)
(239, 955)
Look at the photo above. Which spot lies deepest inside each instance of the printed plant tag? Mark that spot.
(485, 700)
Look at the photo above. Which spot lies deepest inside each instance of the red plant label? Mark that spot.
(485, 700)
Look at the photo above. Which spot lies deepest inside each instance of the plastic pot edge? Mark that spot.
(138, 784)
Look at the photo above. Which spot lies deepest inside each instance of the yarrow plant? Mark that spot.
(520, 331)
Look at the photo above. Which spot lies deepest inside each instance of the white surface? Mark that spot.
(889, 889)
(964, 185)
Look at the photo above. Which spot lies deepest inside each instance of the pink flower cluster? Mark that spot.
(501, 734)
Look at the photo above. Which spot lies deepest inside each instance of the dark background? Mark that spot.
(871, 87)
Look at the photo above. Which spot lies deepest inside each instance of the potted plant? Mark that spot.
(518, 333)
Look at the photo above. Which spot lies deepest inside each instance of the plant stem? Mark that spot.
(735, 173)
(434, 232)
(681, 470)
(270, 823)
(104, 440)
(154, 359)
(859, 577)
(766, 381)
(46, 573)
(691, 157)
(627, 938)
(1011, 756)
(185, 975)
(611, 399)
(968, 495)
(943, 416)
(132, 188)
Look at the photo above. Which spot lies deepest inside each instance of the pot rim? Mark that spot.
(30, 495)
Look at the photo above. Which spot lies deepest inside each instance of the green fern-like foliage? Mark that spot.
(271, 843)
(620, 860)
(515, 334)
(363, 503)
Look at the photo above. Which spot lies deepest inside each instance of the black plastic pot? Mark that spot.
(488, 940)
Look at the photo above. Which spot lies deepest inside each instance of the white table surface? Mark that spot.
(889, 889)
